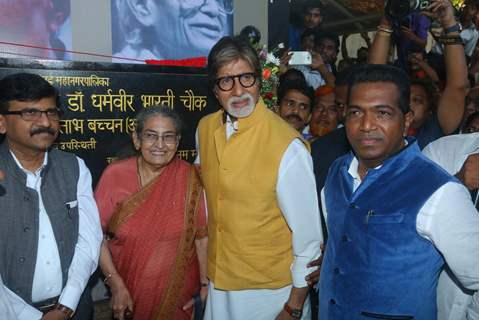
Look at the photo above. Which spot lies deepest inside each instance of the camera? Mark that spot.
(397, 9)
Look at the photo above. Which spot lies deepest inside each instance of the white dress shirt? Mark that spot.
(313, 77)
(449, 220)
(450, 152)
(297, 199)
(6, 309)
(47, 280)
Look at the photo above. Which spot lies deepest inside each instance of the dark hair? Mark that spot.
(307, 33)
(292, 75)
(370, 73)
(312, 4)
(300, 86)
(320, 36)
(473, 116)
(229, 49)
(430, 89)
(474, 3)
(344, 77)
(163, 111)
(25, 87)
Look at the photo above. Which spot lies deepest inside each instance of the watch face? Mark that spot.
(296, 313)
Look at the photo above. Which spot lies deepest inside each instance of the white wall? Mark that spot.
(91, 29)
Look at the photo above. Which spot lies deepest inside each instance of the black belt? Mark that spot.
(46, 305)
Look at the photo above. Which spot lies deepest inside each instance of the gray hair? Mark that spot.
(131, 31)
(166, 112)
(229, 49)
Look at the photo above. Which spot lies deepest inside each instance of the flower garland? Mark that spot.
(270, 64)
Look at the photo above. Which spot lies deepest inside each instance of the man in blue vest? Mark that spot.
(394, 217)
(50, 231)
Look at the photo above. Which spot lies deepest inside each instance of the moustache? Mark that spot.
(240, 98)
(293, 117)
(39, 130)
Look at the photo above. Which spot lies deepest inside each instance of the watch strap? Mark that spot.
(454, 28)
(294, 313)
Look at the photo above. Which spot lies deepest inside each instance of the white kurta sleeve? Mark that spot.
(298, 201)
(450, 221)
(87, 249)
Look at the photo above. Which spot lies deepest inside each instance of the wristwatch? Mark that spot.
(294, 313)
(454, 28)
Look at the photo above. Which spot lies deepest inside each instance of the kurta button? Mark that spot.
(336, 270)
(332, 301)
(26, 229)
(26, 198)
(352, 205)
(21, 259)
(344, 238)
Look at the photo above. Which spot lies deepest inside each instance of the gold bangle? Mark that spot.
(384, 29)
(108, 276)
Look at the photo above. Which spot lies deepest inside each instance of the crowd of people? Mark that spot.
(355, 198)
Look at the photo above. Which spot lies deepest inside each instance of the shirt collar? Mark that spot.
(38, 171)
(354, 166)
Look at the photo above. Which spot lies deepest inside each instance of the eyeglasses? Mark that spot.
(151, 138)
(227, 83)
(225, 6)
(32, 114)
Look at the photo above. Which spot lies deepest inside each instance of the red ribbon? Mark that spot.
(198, 62)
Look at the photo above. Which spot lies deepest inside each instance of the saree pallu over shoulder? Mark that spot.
(153, 242)
(175, 285)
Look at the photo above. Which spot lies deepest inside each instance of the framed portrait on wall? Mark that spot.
(35, 29)
(168, 29)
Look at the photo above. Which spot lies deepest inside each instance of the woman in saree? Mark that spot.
(153, 215)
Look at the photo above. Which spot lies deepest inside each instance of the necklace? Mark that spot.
(145, 180)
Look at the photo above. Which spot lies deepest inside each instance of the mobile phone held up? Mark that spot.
(300, 58)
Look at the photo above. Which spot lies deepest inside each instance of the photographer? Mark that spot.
(428, 125)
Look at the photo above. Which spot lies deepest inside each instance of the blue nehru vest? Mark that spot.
(376, 265)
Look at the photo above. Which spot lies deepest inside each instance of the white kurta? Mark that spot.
(453, 301)
(297, 199)
(47, 280)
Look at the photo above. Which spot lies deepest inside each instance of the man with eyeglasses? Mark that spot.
(50, 233)
(169, 29)
(254, 167)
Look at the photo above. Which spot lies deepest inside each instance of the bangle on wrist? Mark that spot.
(449, 40)
(108, 276)
(385, 29)
(65, 310)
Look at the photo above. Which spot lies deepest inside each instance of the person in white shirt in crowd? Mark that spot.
(324, 54)
(459, 156)
(50, 233)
